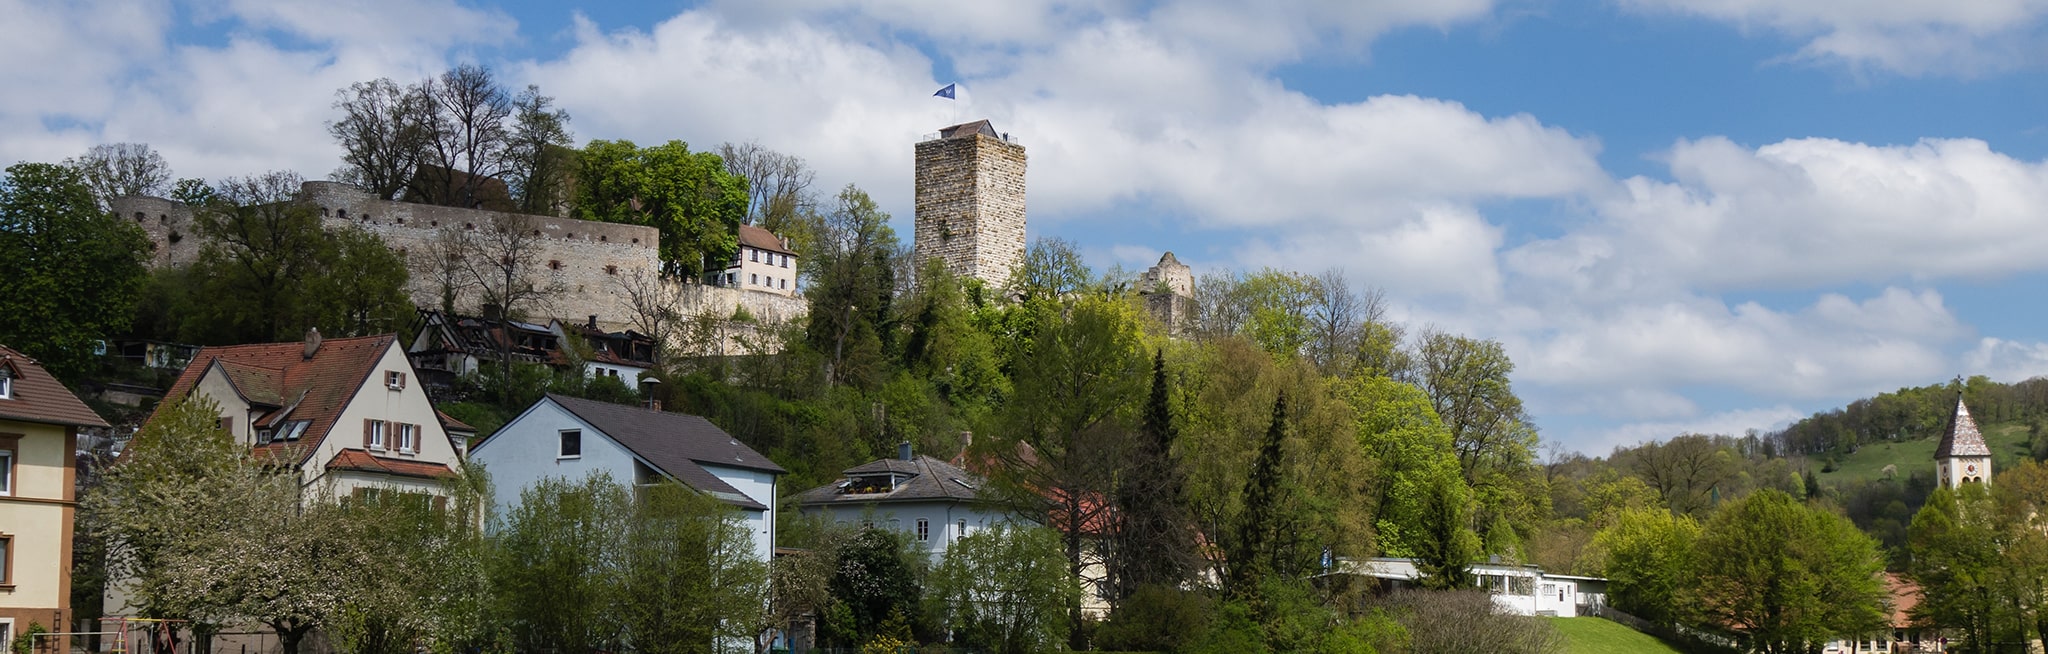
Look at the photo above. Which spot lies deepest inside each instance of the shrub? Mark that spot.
(1459, 621)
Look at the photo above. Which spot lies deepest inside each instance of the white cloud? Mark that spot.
(2006, 360)
(1731, 423)
(1439, 249)
(1806, 213)
(1913, 37)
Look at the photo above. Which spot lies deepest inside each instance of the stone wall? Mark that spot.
(588, 263)
(970, 205)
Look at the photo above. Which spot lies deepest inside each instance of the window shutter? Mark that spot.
(366, 434)
(227, 424)
(440, 503)
(401, 380)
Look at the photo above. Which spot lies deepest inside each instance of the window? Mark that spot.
(963, 527)
(7, 562)
(394, 380)
(554, 264)
(924, 530)
(7, 467)
(6, 383)
(754, 255)
(373, 434)
(572, 444)
(611, 270)
(785, 284)
(785, 261)
(753, 279)
(408, 438)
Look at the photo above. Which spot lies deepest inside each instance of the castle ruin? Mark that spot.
(970, 202)
(589, 264)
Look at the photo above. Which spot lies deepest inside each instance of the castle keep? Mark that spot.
(970, 202)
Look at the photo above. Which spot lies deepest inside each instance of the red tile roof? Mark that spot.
(366, 462)
(276, 374)
(38, 397)
(1905, 596)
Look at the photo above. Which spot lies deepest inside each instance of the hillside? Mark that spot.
(2008, 443)
(1599, 636)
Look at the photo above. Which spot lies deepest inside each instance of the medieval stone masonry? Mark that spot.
(588, 263)
(970, 202)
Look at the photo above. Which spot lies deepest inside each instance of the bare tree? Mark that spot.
(1220, 307)
(501, 259)
(778, 185)
(1335, 315)
(469, 135)
(119, 170)
(537, 157)
(656, 307)
(383, 131)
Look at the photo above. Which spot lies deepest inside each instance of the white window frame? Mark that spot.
(561, 439)
(8, 458)
(753, 255)
(394, 380)
(924, 530)
(963, 527)
(7, 629)
(408, 438)
(380, 436)
(6, 384)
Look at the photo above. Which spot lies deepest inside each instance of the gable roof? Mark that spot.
(678, 445)
(930, 480)
(366, 462)
(280, 377)
(1962, 437)
(761, 239)
(37, 396)
(982, 127)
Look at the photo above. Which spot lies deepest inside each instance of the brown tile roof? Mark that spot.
(679, 445)
(982, 127)
(1905, 596)
(761, 239)
(1962, 437)
(449, 423)
(366, 462)
(39, 397)
(275, 374)
(930, 480)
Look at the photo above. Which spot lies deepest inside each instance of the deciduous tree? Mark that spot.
(384, 132)
(119, 170)
(1006, 588)
(688, 196)
(1786, 576)
(74, 271)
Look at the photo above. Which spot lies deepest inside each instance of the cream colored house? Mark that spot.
(349, 412)
(39, 423)
(764, 263)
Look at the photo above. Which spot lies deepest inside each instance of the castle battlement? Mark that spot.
(970, 202)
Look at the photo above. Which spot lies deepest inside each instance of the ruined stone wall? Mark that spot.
(970, 205)
(588, 263)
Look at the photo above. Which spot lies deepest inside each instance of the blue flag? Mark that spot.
(946, 93)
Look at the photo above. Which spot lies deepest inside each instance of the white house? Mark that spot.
(570, 438)
(620, 355)
(763, 263)
(1519, 589)
(932, 501)
(347, 412)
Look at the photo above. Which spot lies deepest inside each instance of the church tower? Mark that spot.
(970, 202)
(1962, 456)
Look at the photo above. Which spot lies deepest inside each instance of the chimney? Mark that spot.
(312, 341)
(903, 450)
(966, 440)
(593, 321)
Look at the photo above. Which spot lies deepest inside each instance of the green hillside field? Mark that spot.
(2008, 447)
(1600, 636)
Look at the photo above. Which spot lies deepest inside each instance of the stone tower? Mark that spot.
(970, 202)
(1962, 456)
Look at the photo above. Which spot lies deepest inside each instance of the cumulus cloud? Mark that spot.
(1913, 37)
(2008, 360)
(1806, 213)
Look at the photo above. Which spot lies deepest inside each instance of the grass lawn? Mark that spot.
(2008, 446)
(1600, 636)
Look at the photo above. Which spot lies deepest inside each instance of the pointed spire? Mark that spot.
(1962, 437)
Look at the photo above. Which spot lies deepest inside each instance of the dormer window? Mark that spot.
(6, 383)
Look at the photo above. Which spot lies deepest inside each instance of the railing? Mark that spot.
(1688, 639)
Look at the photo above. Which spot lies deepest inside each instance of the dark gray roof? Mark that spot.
(930, 480)
(1962, 437)
(678, 445)
(982, 127)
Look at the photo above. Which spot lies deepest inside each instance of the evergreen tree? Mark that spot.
(1251, 556)
(1154, 545)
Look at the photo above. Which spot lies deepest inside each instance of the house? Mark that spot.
(932, 501)
(39, 423)
(570, 438)
(764, 263)
(1901, 634)
(448, 346)
(347, 412)
(620, 355)
(1518, 589)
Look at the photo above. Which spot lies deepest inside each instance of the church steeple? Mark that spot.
(1962, 455)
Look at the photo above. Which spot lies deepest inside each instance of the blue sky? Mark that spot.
(1678, 215)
